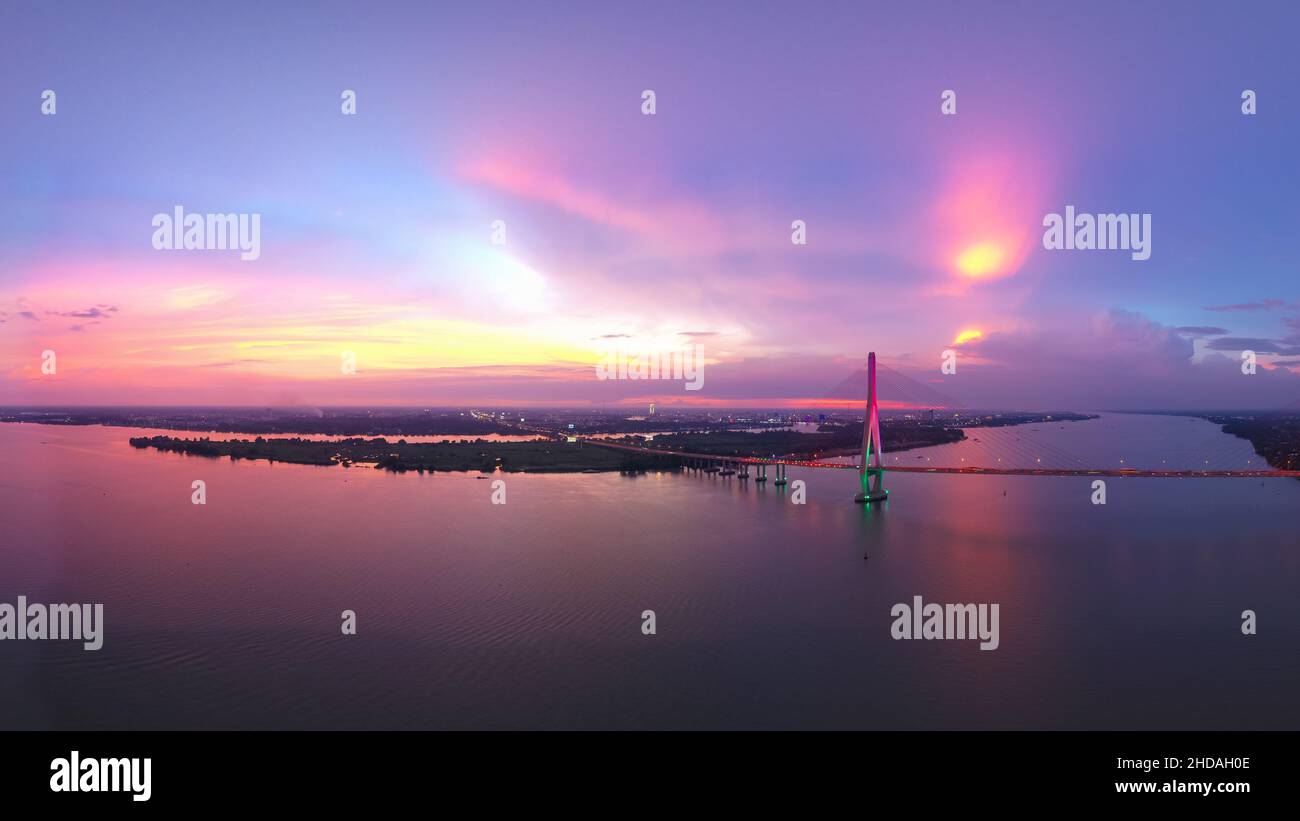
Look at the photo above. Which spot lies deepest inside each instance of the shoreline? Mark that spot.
(557, 455)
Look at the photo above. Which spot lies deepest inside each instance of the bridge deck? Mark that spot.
(969, 471)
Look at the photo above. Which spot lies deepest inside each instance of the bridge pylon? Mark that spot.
(872, 472)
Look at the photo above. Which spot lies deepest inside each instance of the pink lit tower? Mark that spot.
(872, 471)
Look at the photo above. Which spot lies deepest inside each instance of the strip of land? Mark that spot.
(545, 456)
(556, 454)
(402, 456)
(1276, 436)
(838, 439)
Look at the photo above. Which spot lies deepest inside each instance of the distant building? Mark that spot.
(652, 408)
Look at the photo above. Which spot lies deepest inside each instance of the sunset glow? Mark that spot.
(981, 259)
(457, 230)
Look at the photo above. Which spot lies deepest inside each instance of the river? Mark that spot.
(768, 614)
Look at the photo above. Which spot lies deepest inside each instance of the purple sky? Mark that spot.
(654, 231)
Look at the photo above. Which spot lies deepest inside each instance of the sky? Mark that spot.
(379, 231)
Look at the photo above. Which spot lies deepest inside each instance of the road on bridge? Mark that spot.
(967, 471)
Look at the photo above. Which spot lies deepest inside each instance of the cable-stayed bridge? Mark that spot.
(1003, 454)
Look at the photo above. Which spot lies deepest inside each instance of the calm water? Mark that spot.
(528, 614)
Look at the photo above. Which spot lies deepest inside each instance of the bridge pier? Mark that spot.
(872, 491)
(780, 475)
(744, 470)
(762, 474)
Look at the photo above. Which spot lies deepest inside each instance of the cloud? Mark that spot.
(1288, 345)
(230, 363)
(1119, 360)
(25, 315)
(1260, 305)
(94, 312)
(667, 218)
(1201, 330)
(1246, 343)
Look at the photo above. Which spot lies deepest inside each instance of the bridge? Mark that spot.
(719, 463)
(871, 467)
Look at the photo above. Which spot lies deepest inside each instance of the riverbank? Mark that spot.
(1276, 437)
(558, 456)
(401, 456)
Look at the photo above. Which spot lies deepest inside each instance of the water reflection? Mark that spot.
(527, 614)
